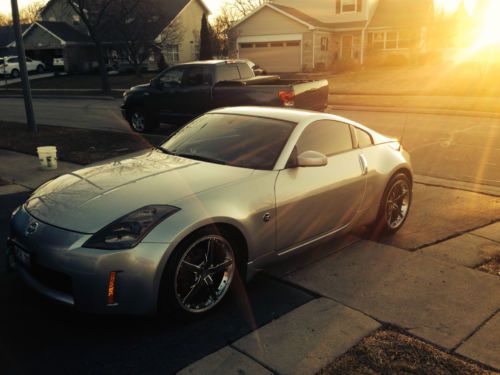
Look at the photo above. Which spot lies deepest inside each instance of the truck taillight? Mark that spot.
(287, 98)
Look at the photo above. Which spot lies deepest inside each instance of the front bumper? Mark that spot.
(53, 262)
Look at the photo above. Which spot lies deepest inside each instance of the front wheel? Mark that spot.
(395, 205)
(199, 274)
(140, 122)
(14, 73)
(40, 69)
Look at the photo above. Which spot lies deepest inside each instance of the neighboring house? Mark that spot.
(6, 38)
(61, 33)
(281, 38)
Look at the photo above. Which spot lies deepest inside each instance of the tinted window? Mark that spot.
(13, 60)
(197, 75)
(364, 139)
(327, 137)
(173, 77)
(228, 72)
(245, 71)
(240, 141)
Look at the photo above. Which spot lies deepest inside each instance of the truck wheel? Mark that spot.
(14, 73)
(140, 122)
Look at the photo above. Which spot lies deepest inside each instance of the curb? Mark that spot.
(426, 111)
(62, 96)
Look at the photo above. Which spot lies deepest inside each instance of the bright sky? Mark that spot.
(5, 5)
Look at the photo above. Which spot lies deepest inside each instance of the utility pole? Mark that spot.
(28, 102)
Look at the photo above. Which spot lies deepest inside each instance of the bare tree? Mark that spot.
(172, 35)
(5, 20)
(94, 14)
(231, 11)
(31, 12)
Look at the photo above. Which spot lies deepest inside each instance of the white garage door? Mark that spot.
(274, 57)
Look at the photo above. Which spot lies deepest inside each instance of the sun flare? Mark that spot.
(489, 29)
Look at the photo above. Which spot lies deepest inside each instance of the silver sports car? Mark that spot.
(174, 227)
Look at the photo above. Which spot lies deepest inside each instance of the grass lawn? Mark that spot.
(87, 82)
(391, 352)
(79, 146)
(471, 79)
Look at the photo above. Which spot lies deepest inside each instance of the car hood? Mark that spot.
(91, 198)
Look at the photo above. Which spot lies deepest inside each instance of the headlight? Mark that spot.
(130, 229)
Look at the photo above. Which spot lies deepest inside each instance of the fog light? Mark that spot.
(112, 288)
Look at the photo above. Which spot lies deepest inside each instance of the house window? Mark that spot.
(293, 44)
(276, 44)
(172, 54)
(324, 44)
(261, 45)
(246, 45)
(390, 39)
(348, 6)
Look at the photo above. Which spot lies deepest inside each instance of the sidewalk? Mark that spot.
(361, 288)
(9, 81)
(24, 170)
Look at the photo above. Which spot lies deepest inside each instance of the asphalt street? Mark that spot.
(460, 148)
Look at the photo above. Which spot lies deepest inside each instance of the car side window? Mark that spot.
(197, 76)
(172, 77)
(28, 59)
(364, 139)
(227, 72)
(13, 60)
(327, 137)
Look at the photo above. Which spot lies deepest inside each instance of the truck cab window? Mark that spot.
(197, 76)
(228, 72)
(172, 77)
(245, 71)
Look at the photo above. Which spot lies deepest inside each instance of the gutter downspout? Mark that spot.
(362, 54)
(313, 47)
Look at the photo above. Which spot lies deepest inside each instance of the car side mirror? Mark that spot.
(311, 159)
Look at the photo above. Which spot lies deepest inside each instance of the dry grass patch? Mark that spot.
(492, 266)
(393, 352)
(80, 146)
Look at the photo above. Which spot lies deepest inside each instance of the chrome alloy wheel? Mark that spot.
(398, 204)
(138, 121)
(204, 273)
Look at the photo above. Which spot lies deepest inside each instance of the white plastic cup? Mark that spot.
(47, 156)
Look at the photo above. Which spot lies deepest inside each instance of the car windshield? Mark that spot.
(236, 140)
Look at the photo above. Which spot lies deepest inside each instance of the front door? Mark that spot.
(346, 53)
(314, 201)
(166, 100)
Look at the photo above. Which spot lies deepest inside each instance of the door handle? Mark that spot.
(364, 164)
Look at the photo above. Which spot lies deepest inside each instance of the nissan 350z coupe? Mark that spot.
(174, 227)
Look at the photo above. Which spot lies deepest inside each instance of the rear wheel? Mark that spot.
(199, 274)
(140, 122)
(40, 69)
(395, 205)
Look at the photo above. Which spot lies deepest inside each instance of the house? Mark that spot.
(61, 33)
(286, 36)
(6, 38)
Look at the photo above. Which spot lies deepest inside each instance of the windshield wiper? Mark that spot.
(200, 157)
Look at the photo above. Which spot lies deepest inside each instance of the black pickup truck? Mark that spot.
(185, 91)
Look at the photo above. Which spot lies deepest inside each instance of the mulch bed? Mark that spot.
(492, 266)
(389, 351)
(80, 146)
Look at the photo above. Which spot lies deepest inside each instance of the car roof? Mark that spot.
(285, 114)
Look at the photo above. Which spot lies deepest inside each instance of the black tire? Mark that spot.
(397, 197)
(14, 73)
(141, 122)
(40, 69)
(188, 288)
